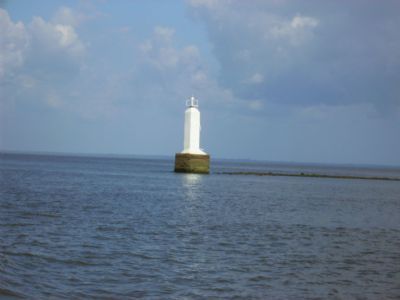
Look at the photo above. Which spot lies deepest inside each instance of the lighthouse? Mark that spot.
(192, 159)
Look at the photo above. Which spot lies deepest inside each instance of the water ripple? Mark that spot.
(127, 229)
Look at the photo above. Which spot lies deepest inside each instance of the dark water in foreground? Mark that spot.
(86, 227)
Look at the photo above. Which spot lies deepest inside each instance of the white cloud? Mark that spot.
(210, 4)
(256, 104)
(68, 35)
(256, 78)
(324, 112)
(313, 53)
(38, 56)
(159, 51)
(297, 30)
(27, 81)
(175, 72)
(164, 34)
(53, 100)
(303, 22)
(55, 38)
(14, 44)
(67, 16)
(36, 43)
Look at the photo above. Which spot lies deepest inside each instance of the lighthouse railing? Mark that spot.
(192, 102)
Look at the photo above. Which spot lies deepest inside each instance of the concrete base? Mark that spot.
(192, 163)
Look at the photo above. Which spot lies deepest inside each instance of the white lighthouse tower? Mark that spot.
(192, 159)
(191, 140)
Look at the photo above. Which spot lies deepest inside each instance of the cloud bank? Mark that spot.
(306, 53)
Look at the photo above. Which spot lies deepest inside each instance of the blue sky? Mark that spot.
(304, 81)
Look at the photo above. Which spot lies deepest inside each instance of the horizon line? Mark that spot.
(121, 155)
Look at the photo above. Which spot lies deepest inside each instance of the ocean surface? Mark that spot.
(125, 228)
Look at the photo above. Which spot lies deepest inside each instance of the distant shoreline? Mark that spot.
(312, 175)
(220, 159)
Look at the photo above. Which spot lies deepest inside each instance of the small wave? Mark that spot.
(112, 228)
(16, 224)
(51, 259)
(4, 292)
(259, 278)
(40, 214)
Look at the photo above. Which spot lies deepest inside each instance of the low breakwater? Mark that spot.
(310, 175)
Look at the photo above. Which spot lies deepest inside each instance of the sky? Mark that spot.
(277, 80)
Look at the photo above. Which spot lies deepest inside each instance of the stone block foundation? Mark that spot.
(192, 163)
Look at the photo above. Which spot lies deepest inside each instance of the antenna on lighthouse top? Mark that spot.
(192, 102)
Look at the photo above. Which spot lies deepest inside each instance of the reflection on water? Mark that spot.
(190, 180)
(191, 184)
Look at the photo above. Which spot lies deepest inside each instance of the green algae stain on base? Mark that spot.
(192, 163)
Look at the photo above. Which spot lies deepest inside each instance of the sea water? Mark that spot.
(123, 228)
